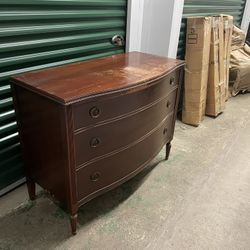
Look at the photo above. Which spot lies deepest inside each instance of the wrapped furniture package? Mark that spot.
(240, 63)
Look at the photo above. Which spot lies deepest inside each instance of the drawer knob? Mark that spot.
(95, 176)
(94, 112)
(171, 81)
(94, 142)
(165, 130)
(168, 104)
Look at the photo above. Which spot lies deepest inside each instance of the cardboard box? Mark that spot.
(194, 110)
(228, 29)
(215, 103)
(196, 71)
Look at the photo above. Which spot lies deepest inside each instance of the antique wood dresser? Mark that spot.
(87, 127)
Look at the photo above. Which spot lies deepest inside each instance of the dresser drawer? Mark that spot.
(87, 114)
(102, 173)
(104, 139)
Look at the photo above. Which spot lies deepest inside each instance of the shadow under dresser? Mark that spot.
(87, 127)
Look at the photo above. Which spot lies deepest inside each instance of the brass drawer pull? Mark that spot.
(94, 142)
(168, 104)
(94, 112)
(95, 176)
(171, 81)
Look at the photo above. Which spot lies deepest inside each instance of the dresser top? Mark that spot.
(69, 83)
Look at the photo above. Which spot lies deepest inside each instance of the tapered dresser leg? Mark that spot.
(73, 222)
(168, 147)
(31, 189)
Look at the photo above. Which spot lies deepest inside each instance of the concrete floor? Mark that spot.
(199, 199)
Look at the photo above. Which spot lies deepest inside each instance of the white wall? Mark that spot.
(154, 26)
(134, 25)
(176, 27)
(246, 16)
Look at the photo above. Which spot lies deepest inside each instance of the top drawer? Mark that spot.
(86, 114)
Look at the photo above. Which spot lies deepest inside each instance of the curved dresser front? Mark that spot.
(100, 134)
(128, 132)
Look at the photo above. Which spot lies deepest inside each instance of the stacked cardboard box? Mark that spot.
(216, 82)
(207, 67)
(196, 72)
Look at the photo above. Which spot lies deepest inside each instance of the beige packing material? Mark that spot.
(196, 72)
(240, 62)
(240, 70)
(238, 38)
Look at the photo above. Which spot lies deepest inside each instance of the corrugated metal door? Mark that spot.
(205, 8)
(45, 33)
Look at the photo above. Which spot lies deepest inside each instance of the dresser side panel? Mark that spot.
(42, 135)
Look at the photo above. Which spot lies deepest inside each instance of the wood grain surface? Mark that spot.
(70, 82)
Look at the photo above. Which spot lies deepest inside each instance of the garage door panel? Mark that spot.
(48, 33)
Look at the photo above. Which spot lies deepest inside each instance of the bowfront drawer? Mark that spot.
(104, 139)
(115, 168)
(91, 113)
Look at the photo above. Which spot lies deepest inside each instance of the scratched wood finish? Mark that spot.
(86, 128)
(80, 80)
(133, 99)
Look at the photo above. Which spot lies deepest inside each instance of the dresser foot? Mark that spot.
(73, 223)
(168, 147)
(31, 185)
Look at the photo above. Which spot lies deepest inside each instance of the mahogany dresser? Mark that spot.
(87, 127)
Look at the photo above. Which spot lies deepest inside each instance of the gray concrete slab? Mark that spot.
(199, 199)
